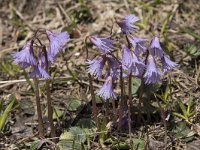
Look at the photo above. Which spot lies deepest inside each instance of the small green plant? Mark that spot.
(192, 50)
(7, 67)
(4, 113)
(164, 97)
(186, 111)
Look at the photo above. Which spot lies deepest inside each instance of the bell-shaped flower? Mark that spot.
(167, 64)
(155, 48)
(127, 24)
(137, 67)
(114, 66)
(106, 91)
(25, 57)
(105, 45)
(152, 74)
(57, 42)
(126, 57)
(138, 45)
(39, 70)
(95, 66)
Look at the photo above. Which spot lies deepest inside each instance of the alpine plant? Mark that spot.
(138, 58)
(33, 55)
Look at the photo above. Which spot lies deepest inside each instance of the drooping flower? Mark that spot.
(126, 57)
(114, 67)
(131, 63)
(95, 66)
(105, 45)
(155, 48)
(137, 67)
(152, 74)
(39, 69)
(138, 45)
(57, 42)
(106, 91)
(127, 24)
(167, 64)
(25, 57)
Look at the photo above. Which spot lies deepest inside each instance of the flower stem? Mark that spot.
(94, 105)
(148, 106)
(121, 105)
(49, 102)
(50, 112)
(140, 102)
(162, 114)
(39, 111)
(129, 109)
(114, 110)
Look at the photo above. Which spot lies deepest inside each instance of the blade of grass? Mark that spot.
(4, 115)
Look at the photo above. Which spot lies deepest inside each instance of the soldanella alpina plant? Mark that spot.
(38, 58)
(139, 59)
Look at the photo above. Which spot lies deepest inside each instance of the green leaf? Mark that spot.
(166, 93)
(180, 116)
(190, 104)
(5, 113)
(183, 108)
(186, 30)
(74, 104)
(34, 145)
(135, 85)
(57, 113)
(66, 136)
(78, 134)
(182, 131)
(65, 144)
(138, 142)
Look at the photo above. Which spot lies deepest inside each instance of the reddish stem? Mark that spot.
(39, 111)
(49, 102)
(121, 105)
(94, 105)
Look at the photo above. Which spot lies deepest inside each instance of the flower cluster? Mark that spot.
(29, 57)
(143, 67)
(95, 66)
(138, 58)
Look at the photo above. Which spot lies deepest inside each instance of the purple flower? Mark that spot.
(39, 69)
(137, 67)
(131, 63)
(114, 67)
(126, 57)
(138, 45)
(57, 42)
(25, 57)
(105, 45)
(167, 64)
(126, 24)
(106, 91)
(152, 74)
(95, 66)
(155, 48)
